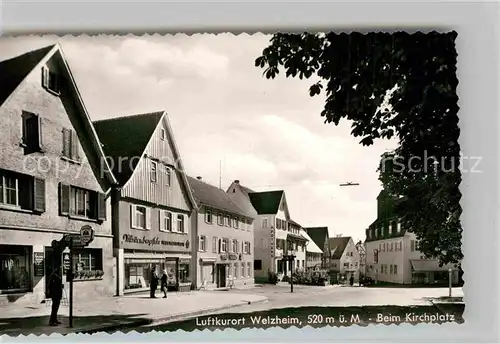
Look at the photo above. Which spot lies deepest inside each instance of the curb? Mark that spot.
(163, 319)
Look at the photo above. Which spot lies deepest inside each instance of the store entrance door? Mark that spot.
(221, 276)
(52, 260)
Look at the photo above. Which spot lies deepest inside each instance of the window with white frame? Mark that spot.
(50, 80)
(202, 243)
(220, 219)
(165, 221)
(247, 247)
(227, 221)
(235, 222)
(214, 245)
(139, 217)
(235, 246)
(249, 269)
(180, 223)
(208, 216)
(162, 134)
(88, 259)
(242, 224)
(242, 270)
(153, 171)
(9, 190)
(80, 204)
(224, 245)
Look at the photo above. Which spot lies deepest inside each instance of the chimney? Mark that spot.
(237, 181)
(199, 178)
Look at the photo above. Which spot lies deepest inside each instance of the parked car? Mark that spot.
(365, 281)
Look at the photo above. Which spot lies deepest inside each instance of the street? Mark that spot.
(280, 297)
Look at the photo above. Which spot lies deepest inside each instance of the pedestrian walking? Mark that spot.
(55, 293)
(153, 283)
(351, 280)
(164, 278)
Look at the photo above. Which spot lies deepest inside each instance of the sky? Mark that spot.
(266, 133)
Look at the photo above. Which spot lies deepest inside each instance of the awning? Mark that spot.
(425, 265)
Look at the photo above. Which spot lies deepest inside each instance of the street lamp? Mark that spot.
(290, 257)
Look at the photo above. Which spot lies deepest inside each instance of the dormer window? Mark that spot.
(50, 81)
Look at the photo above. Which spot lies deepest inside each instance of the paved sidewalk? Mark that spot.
(113, 313)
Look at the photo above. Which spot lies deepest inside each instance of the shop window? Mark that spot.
(15, 271)
(88, 259)
(257, 264)
(184, 273)
(138, 274)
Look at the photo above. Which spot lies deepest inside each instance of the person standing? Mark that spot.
(55, 293)
(351, 280)
(153, 284)
(164, 279)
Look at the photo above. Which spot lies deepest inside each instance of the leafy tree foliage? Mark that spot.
(355, 72)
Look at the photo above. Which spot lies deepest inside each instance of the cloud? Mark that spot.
(268, 133)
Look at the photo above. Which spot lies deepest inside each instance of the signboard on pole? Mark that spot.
(66, 263)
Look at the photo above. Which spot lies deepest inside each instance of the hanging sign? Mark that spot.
(38, 260)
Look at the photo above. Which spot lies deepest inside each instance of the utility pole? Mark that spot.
(220, 174)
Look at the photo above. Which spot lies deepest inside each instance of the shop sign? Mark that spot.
(233, 256)
(86, 235)
(66, 263)
(133, 239)
(38, 260)
(185, 261)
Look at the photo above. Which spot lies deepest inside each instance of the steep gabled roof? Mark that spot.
(311, 245)
(318, 235)
(212, 196)
(125, 139)
(338, 245)
(266, 202)
(13, 71)
(128, 137)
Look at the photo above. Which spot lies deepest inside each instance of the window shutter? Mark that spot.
(133, 223)
(161, 218)
(45, 77)
(74, 146)
(66, 151)
(101, 206)
(64, 199)
(148, 218)
(39, 131)
(39, 195)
